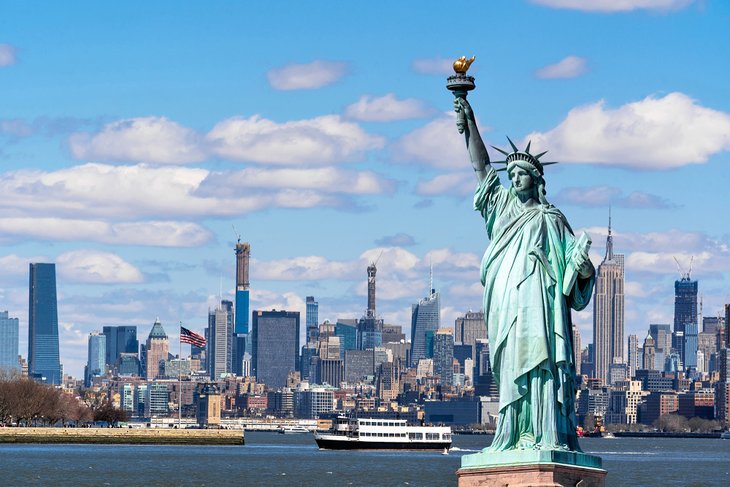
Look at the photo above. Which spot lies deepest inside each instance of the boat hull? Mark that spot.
(329, 444)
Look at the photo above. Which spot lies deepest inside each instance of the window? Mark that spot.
(432, 436)
(415, 436)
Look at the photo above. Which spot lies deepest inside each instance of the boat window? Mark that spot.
(432, 436)
(415, 436)
(447, 436)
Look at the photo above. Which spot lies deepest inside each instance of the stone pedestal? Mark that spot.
(531, 468)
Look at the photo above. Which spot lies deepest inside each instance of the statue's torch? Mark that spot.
(461, 84)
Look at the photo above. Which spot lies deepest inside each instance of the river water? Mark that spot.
(271, 459)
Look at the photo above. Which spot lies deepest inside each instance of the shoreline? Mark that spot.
(132, 436)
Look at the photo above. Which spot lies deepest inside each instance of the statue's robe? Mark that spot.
(527, 314)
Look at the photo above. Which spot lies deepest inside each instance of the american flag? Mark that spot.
(187, 336)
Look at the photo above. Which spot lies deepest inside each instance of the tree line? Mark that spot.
(25, 402)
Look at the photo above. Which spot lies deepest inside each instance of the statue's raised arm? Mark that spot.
(474, 143)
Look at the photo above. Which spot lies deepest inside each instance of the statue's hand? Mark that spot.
(463, 106)
(583, 264)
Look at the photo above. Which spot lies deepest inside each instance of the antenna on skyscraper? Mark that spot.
(430, 276)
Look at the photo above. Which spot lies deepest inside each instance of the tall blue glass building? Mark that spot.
(425, 317)
(95, 363)
(8, 342)
(312, 320)
(119, 340)
(43, 357)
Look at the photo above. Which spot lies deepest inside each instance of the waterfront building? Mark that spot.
(281, 403)
(624, 402)
(685, 313)
(425, 318)
(119, 340)
(126, 399)
(470, 328)
(657, 404)
(275, 346)
(608, 310)
(157, 399)
(722, 402)
(697, 404)
(310, 403)
(43, 355)
(207, 397)
(312, 319)
(95, 363)
(9, 343)
(220, 337)
(156, 351)
(443, 356)
(243, 257)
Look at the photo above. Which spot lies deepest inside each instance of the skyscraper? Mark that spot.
(156, 351)
(8, 343)
(243, 255)
(119, 340)
(649, 362)
(685, 318)
(425, 318)
(95, 363)
(43, 356)
(608, 311)
(312, 319)
(275, 346)
(469, 328)
(220, 331)
(633, 355)
(443, 356)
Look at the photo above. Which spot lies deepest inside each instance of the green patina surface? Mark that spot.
(529, 457)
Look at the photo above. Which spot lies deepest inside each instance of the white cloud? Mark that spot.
(95, 267)
(569, 67)
(654, 133)
(602, 196)
(437, 143)
(148, 139)
(15, 128)
(433, 66)
(326, 180)
(310, 267)
(7, 55)
(398, 240)
(616, 5)
(386, 108)
(99, 190)
(317, 141)
(308, 76)
(458, 183)
(153, 233)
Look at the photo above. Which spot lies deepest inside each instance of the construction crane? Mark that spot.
(685, 276)
(238, 235)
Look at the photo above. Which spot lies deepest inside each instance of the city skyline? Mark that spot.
(132, 140)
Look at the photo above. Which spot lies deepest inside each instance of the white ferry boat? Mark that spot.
(382, 434)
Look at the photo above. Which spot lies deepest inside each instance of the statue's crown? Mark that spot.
(525, 156)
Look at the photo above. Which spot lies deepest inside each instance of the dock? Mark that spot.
(132, 436)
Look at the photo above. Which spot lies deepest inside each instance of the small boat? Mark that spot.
(725, 435)
(382, 434)
(293, 430)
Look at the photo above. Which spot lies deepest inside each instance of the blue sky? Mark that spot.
(134, 136)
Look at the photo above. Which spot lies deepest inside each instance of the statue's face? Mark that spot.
(521, 179)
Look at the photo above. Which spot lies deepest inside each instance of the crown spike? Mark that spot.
(514, 147)
(548, 163)
(500, 150)
(527, 149)
(501, 169)
(540, 155)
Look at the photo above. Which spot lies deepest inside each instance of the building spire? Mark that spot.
(609, 239)
(430, 277)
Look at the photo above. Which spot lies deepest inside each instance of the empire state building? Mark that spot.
(608, 311)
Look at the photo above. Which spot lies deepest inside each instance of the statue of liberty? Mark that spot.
(534, 271)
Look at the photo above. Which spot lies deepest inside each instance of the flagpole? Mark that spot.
(179, 379)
